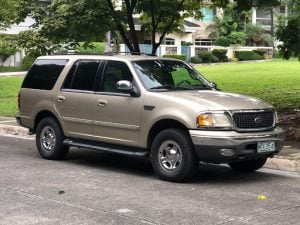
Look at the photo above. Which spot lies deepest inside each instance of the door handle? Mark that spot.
(61, 98)
(102, 103)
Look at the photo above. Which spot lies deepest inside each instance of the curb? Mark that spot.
(12, 74)
(290, 162)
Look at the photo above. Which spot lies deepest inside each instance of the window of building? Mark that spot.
(82, 76)
(208, 14)
(169, 41)
(282, 9)
(44, 74)
(204, 42)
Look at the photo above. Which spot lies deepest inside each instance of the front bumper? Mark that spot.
(209, 144)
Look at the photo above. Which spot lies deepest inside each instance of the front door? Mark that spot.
(116, 116)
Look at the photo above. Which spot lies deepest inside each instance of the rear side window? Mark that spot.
(44, 74)
(82, 76)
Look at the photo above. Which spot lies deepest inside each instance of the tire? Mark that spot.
(172, 155)
(49, 139)
(249, 165)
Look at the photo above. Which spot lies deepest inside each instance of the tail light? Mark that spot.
(19, 101)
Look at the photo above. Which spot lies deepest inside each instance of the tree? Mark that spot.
(288, 32)
(13, 11)
(85, 20)
(256, 35)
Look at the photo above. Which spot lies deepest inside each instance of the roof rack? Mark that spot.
(105, 53)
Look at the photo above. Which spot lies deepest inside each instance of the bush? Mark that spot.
(220, 54)
(180, 57)
(92, 48)
(28, 60)
(207, 57)
(247, 55)
(196, 60)
(260, 52)
(222, 41)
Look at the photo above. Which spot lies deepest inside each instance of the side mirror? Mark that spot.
(213, 85)
(124, 86)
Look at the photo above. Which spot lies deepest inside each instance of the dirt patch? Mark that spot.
(290, 122)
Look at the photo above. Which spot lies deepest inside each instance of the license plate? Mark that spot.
(263, 147)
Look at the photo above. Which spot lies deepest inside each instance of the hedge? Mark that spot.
(207, 56)
(180, 57)
(247, 55)
(196, 60)
(220, 54)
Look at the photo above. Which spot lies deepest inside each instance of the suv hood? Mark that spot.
(217, 100)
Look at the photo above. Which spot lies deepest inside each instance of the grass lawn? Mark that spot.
(9, 88)
(275, 81)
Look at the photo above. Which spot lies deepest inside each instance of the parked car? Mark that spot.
(144, 106)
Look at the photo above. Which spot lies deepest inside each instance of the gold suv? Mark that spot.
(144, 106)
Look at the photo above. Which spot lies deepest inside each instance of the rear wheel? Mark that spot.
(249, 165)
(49, 139)
(172, 155)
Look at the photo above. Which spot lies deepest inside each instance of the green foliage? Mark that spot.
(247, 55)
(28, 60)
(222, 41)
(220, 54)
(180, 57)
(256, 36)
(10, 69)
(13, 11)
(237, 38)
(288, 32)
(93, 48)
(196, 60)
(207, 56)
(262, 53)
(8, 46)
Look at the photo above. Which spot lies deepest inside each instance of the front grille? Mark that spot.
(254, 120)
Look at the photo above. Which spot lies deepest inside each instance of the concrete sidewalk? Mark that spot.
(10, 74)
(288, 159)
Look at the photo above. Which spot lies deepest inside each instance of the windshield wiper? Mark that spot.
(202, 86)
(171, 87)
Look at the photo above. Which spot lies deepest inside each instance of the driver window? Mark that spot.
(114, 71)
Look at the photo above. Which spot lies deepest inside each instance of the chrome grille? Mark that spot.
(254, 120)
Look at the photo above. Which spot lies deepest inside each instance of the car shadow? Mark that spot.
(207, 173)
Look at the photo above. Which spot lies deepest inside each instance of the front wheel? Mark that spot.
(49, 139)
(248, 165)
(172, 155)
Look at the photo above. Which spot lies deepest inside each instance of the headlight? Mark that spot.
(214, 120)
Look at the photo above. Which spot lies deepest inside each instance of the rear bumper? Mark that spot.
(213, 146)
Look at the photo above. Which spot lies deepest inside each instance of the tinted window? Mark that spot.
(44, 74)
(114, 71)
(82, 76)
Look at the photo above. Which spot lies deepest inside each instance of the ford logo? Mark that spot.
(258, 120)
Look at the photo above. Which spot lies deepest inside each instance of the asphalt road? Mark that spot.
(94, 188)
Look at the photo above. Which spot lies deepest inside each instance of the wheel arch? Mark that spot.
(43, 114)
(163, 125)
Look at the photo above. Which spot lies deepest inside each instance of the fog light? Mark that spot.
(227, 152)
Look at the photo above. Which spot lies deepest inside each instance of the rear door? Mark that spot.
(116, 115)
(75, 99)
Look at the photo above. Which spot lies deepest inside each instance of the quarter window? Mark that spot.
(82, 76)
(44, 74)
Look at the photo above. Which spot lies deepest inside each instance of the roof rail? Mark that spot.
(105, 53)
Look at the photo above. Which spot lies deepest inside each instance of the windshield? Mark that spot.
(159, 75)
